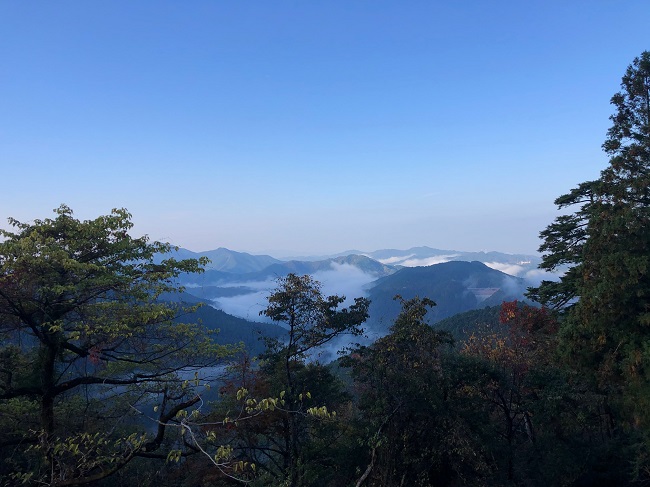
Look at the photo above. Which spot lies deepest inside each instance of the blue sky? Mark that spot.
(311, 127)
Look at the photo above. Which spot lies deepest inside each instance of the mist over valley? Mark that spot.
(238, 283)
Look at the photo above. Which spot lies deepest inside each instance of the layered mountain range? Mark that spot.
(238, 283)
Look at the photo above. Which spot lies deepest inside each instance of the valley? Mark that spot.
(235, 285)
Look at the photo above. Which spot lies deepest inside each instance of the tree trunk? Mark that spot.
(48, 351)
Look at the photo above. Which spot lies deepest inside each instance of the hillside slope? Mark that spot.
(456, 287)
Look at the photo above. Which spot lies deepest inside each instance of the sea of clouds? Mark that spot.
(341, 279)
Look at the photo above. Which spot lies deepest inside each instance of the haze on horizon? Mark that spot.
(304, 128)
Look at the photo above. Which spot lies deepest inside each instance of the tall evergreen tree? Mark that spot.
(605, 242)
(312, 320)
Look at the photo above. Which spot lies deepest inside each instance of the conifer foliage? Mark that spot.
(606, 242)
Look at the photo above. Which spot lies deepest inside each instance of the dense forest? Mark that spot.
(103, 383)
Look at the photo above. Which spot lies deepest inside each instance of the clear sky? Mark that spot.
(311, 126)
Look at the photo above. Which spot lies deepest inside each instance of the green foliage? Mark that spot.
(231, 329)
(86, 344)
(312, 319)
(604, 295)
(301, 405)
(499, 412)
(416, 429)
(462, 325)
(285, 413)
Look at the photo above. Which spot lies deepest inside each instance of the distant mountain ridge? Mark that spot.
(226, 260)
(279, 269)
(423, 256)
(231, 262)
(239, 283)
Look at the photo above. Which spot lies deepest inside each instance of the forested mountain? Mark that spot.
(234, 330)
(477, 321)
(230, 329)
(455, 287)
